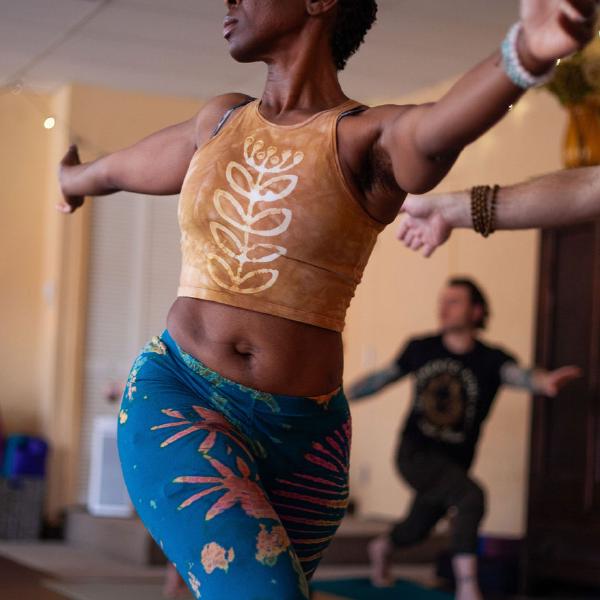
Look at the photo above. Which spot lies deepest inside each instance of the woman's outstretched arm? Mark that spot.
(423, 142)
(561, 198)
(156, 165)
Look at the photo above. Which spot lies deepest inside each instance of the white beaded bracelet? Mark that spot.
(513, 66)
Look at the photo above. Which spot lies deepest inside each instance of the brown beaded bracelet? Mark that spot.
(483, 208)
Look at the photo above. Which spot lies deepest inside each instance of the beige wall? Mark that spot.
(398, 300)
(23, 158)
(43, 306)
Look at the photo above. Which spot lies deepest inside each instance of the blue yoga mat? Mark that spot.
(361, 589)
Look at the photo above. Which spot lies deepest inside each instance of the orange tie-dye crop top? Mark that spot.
(269, 223)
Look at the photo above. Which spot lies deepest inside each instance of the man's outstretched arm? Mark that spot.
(538, 381)
(374, 382)
(561, 198)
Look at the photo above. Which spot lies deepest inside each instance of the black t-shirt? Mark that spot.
(453, 394)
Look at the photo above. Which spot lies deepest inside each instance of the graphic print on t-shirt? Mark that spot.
(262, 181)
(446, 400)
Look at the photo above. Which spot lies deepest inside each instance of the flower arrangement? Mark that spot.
(577, 79)
(576, 85)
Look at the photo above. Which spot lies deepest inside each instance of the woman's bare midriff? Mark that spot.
(260, 351)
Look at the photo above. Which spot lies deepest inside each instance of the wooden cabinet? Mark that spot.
(563, 528)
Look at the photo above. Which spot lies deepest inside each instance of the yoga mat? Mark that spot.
(361, 589)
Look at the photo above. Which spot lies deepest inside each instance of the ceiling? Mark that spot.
(175, 46)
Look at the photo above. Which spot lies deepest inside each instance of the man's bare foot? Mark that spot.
(174, 586)
(465, 574)
(380, 551)
(468, 590)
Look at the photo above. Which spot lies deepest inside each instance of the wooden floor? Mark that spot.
(20, 583)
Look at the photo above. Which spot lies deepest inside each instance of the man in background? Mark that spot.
(456, 380)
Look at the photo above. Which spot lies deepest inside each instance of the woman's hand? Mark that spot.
(553, 29)
(70, 202)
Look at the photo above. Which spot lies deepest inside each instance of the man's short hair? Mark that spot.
(354, 18)
(477, 298)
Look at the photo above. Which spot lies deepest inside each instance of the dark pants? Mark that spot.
(439, 485)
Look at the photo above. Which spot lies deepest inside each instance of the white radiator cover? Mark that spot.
(107, 494)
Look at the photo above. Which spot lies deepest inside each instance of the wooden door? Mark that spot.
(563, 539)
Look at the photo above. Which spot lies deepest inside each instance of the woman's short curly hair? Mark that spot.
(354, 18)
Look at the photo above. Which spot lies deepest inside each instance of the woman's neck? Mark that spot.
(301, 80)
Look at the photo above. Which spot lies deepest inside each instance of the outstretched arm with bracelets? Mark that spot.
(561, 198)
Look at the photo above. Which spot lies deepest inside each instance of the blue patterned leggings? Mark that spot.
(242, 490)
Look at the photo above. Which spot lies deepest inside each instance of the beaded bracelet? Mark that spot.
(483, 208)
(513, 66)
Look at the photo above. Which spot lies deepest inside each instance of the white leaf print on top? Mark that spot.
(235, 236)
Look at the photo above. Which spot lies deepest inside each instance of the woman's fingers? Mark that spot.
(64, 208)
(71, 157)
(583, 11)
(581, 31)
(70, 204)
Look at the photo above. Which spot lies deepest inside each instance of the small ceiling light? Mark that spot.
(49, 123)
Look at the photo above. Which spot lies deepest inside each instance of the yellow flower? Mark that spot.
(216, 557)
(270, 545)
(123, 417)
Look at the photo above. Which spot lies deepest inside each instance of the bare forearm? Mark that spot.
(373, 383)
(155, 165)
(89, 179)
(474, 104)
(561, 198)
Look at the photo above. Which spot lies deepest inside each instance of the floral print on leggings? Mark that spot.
(242, 490)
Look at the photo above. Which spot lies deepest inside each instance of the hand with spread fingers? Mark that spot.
(553, 29)
(425, 226)
(554, 200)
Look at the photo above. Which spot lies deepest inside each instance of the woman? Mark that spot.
(234, 430)
(554, 200)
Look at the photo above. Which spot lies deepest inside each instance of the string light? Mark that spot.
(49, 122)
(15, 83)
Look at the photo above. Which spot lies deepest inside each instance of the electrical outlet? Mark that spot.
(364, 474)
